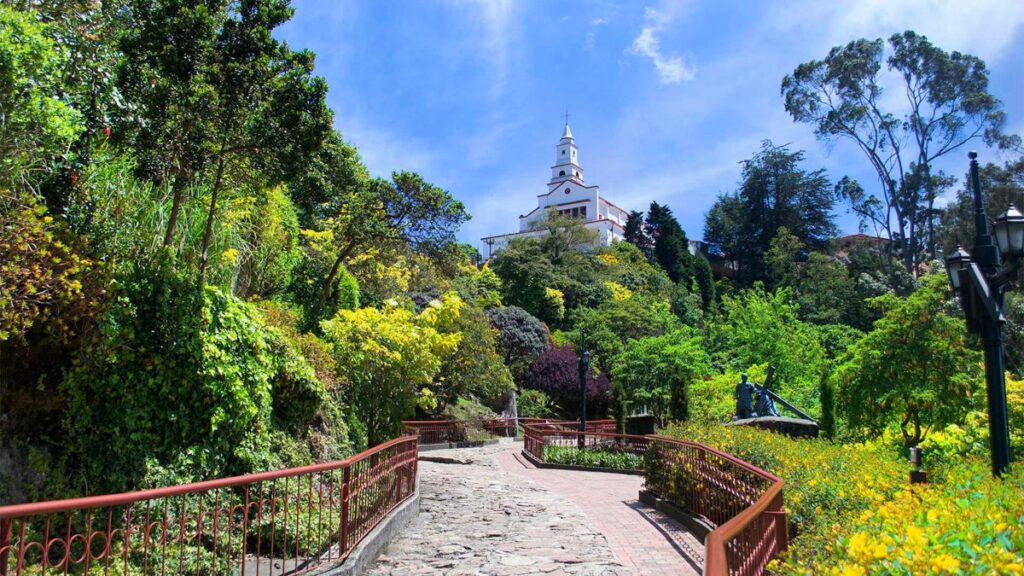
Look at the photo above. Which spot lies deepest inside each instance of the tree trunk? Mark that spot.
(325, 292)
(178, 192)
(208, 233)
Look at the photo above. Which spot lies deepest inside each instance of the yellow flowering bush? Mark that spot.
(619, 292)
(971, 524)
(852, 510)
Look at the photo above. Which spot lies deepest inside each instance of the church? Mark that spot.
(569, 196)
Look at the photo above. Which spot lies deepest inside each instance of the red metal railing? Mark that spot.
(445, 431)
(744, 502)
(605, 426)
(281, 522)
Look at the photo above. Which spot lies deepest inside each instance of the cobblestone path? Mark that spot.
(483, 511)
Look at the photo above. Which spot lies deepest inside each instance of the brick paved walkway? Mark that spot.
(484, 512)
(646, 541)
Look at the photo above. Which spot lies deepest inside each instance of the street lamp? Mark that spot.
(584, 372)
(980, 281)
(1009, 230)
(956, 263)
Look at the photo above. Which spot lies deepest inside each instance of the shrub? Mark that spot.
(180, 384)
(41, 277)
(607, 457)
(712, 398)
(521, 338)
(557, 374)
(657, 372)
(533, 404)
(388, 356)
(827, 485)
(971, 524)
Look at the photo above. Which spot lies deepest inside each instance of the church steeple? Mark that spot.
(566, 159)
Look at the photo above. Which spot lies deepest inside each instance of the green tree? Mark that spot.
(270, 114)
(475, 370)
(388, 357)
(947, 105)
(705, 282)
(670, 247)
(169, 48)
(914, 370)
(783, 258)
(761, 328)
(635, 234)
(526, 273)
(406, 212)
(605, 329)
(37, 124)
(826, 294)
(1000, 187)
(775, 192)
(656, 373)
(331, 181)
(521, 338)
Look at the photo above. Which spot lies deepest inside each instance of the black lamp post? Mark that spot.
(584, 372)
(980, 281)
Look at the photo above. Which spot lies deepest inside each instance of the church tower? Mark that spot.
(566, 160)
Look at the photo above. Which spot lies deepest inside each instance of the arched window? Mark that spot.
(563, 152)
(561, 172)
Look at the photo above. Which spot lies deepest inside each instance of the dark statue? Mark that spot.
(755, 406)
(753, 400)
(744, 399)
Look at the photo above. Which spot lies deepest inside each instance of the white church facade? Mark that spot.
(568, 195)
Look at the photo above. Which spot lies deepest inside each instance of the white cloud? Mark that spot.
(498, 26)
(672, 69)
(598, 21)
(985, 28)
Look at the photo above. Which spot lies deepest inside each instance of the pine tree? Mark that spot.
(635, 233)
(670, 245)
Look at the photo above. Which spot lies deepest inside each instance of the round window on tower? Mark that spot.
(566, 190)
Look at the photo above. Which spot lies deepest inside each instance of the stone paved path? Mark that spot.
(486, 513)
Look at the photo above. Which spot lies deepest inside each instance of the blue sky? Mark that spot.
(666, 97)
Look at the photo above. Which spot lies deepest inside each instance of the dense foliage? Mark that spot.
(199, 277)
(910, 368)
(656, 373)
(556, 373)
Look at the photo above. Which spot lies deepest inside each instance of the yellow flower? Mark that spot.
(915, 536)
(852, 570)
(945, 563)
(858, 544)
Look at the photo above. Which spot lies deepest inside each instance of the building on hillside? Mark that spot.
(845, 244)
(567, 195)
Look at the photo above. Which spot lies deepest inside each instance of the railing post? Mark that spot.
(343, 543)
(5, 541)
